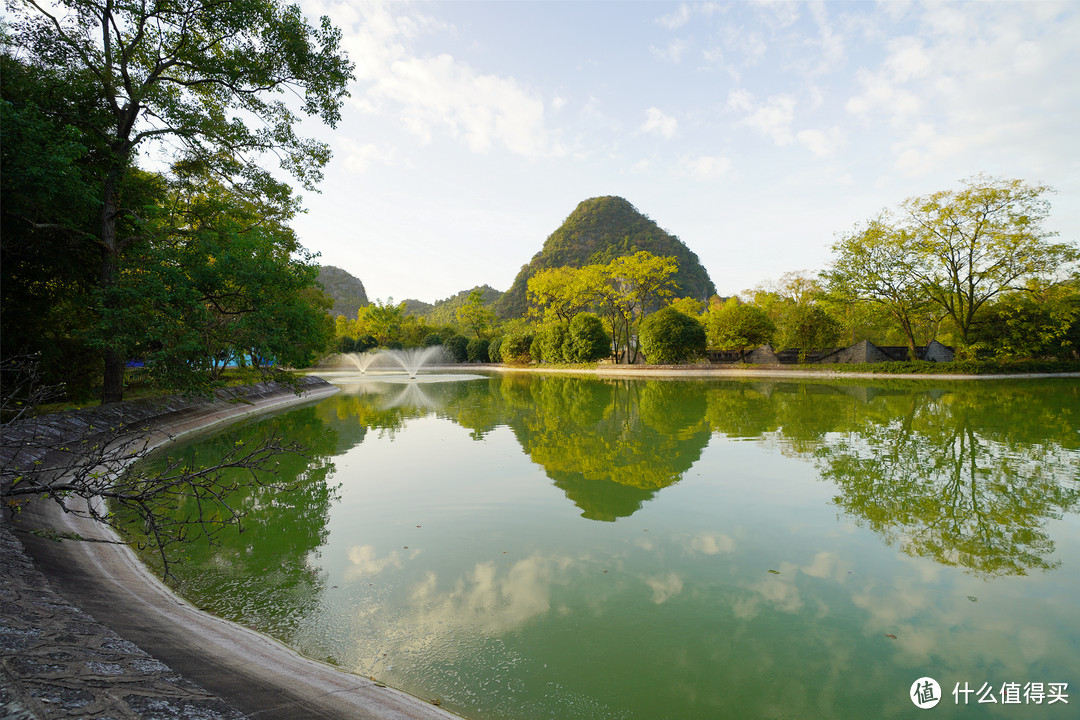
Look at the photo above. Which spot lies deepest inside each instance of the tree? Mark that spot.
(881, 264)
(382, 320)
(475, 316)
(669, 337)
(1039, 322)
(477, 351)
(561, 292)
(231, 284)
(587, 341)
(978, 242)
(736, 325)
(181, 75)
(633, 286)
(807, 328)
(458, 348)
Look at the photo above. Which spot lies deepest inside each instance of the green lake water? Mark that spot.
(523, 546)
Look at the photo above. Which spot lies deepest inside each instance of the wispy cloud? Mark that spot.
(657, 122)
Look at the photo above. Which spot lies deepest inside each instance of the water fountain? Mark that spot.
(362, 360)
(411, 360)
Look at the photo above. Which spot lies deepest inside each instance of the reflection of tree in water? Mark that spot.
(609, 445)
(967, 478)
(261, 576)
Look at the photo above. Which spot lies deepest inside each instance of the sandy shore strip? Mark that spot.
(249, 671)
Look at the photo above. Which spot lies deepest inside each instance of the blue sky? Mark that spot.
(754, 131)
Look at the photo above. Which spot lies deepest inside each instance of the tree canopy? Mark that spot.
(181, 77)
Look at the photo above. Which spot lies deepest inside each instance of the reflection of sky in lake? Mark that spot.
(457, 566)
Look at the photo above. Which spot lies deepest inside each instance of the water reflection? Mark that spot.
(455, 565)
(965, 476)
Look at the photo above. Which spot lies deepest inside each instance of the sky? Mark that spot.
(753, 131)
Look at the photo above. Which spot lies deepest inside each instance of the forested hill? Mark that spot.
(444, 312)
(598, 231)
(346, 290)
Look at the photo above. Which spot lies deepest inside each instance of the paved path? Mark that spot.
(72, 623)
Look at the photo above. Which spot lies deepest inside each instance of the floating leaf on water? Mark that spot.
(888, 635)
(972, 598)
(774, 572)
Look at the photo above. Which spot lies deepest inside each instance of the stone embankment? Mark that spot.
(73, 615)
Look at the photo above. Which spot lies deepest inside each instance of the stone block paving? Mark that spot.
(57, 662)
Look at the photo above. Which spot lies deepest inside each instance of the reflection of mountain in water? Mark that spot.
(964, 474)
(611, 445)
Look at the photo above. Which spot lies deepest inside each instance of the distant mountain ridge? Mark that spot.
(444, 312)
(345, 289)
(599, 230)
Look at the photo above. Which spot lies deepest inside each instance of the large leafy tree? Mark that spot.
(736, 325)
(977, 242)
(183, 76)
(881, 263)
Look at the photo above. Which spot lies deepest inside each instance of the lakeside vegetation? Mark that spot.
(114, 273)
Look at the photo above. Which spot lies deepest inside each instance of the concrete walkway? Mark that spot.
(75, 622)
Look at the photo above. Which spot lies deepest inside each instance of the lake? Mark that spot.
(523, 546)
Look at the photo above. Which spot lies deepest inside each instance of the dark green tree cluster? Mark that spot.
(170, 268)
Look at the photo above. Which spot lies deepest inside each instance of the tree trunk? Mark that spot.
(112, 390)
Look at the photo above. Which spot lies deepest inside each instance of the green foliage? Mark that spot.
(477, 317)
(668, 337)
(515, 349)
(807, 328)
(200, 80)
(495, 350)
(457, 347)
(1035, 323)
(444, 312)
(587, 341)
(598, 231)
(551, 341)
(477, 350)
(432, 339)
(738, 326)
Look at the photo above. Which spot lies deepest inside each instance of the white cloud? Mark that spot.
(359, 158)
(435, 93)
(674, 50)
(677, 19)
(705, 167)
(980, 83)
(820, 142)
(773, 118)
(657, 122)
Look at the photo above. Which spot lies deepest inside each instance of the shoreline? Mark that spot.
(701, 371)
(251, 672)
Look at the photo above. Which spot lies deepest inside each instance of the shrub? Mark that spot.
(457, 348)
(587, 340)
(495, 350)
(668, 337)
(346, 345)
(477, 350)
(552, 342)
(515, 349)
(432, 339)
